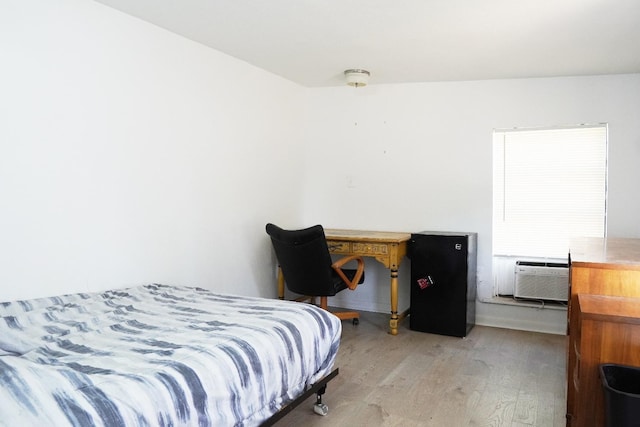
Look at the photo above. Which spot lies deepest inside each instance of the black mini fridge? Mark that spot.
(443, 282)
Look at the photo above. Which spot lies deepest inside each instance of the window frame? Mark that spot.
(502, 251)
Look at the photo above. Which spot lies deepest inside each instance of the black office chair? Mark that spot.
(307, 268)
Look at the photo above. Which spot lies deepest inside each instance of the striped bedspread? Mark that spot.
(158, 355)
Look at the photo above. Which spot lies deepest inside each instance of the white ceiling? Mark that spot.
(312, 42)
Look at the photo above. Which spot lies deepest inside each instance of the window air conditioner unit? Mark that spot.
(542, 281)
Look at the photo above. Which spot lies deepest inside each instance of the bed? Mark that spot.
(160, 355)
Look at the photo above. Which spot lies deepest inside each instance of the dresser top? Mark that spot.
(609, 251)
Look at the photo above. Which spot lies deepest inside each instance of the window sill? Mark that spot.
(508, 300)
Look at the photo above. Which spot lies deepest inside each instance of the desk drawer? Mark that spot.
(357, 248)
(339, 247)
(370, 248)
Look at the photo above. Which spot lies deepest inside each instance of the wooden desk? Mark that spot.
(388, 248)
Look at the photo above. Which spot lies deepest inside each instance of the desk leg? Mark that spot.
(280, 283)
(393, 322)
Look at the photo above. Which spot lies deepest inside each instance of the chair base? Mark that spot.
(346, 315)
(342, 315)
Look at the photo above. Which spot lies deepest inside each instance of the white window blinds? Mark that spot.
(549, 186)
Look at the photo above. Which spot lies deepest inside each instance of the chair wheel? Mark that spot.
(321, 409)
(355, 322)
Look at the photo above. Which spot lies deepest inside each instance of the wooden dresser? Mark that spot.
(609, 267)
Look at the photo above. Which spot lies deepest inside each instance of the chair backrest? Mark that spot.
(304, 258)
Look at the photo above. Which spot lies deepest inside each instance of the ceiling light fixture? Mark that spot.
(357, 77)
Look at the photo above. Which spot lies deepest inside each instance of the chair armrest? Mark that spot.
(337, 266)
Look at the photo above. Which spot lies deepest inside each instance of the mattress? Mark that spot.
(158, 355)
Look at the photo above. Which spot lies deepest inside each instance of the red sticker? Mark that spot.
(423, 283)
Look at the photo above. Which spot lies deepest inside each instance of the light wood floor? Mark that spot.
(493, 377)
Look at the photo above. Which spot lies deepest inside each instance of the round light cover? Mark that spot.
(357, 77)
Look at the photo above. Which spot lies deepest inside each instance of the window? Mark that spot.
(549, 185)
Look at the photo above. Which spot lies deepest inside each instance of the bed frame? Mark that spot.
(320, 408)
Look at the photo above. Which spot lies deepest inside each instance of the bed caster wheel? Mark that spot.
(321, 409)
(355, 322)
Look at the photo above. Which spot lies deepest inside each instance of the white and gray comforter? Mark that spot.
(158, 355)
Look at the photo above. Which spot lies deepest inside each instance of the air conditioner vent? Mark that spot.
(542, 281)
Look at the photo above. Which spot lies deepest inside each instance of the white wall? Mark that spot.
(130, 155)
(413, 157)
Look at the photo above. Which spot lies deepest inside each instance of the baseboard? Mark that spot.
(519, 317)
(365, 306)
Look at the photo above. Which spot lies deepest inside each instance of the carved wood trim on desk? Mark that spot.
(388, 248)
